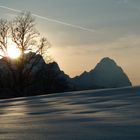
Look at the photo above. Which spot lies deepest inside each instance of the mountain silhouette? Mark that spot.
(40, 77)
(106, 74)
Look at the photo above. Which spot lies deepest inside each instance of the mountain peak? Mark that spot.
(106, 61)
(106, 74)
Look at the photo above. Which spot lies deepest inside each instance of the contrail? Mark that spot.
(52, 20)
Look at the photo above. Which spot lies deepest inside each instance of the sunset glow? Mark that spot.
(13, 51)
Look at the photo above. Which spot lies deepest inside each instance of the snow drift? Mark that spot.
(111, 114)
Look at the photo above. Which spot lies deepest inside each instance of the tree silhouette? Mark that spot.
(21, 30)
(4, 33)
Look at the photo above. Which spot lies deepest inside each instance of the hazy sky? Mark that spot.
(112, 29)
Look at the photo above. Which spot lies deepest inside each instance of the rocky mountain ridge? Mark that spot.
(106, 74)
(41, 78)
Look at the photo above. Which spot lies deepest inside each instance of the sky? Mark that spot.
(82, 32)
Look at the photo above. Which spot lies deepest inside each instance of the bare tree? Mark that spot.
(26, 37)
(4, 32)
(23, 33)
(4, 37)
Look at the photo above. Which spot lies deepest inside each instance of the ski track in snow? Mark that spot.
(111, 114)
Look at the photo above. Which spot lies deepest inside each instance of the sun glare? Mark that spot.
(13, 51)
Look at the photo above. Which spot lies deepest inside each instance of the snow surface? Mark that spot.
(111, 114)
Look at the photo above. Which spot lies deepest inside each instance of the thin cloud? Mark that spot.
(53, 20)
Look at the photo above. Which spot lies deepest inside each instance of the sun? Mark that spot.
(12, 50)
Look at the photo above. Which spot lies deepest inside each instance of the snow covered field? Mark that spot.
(112, 114)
